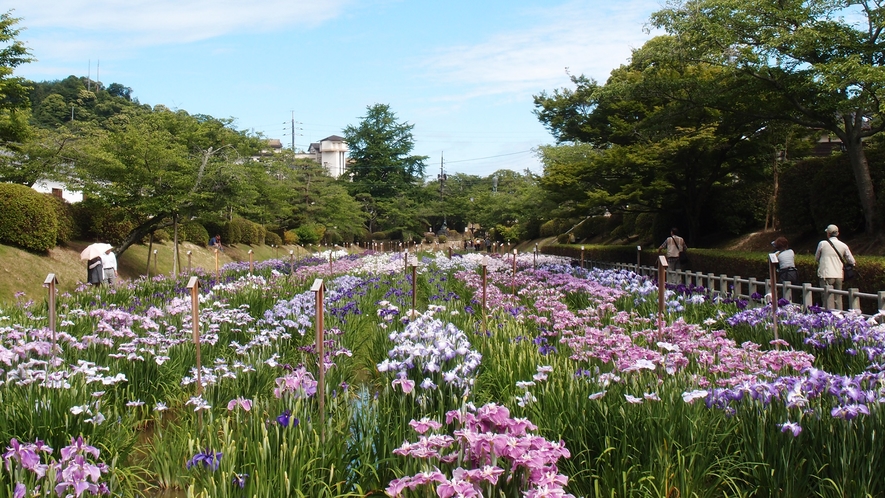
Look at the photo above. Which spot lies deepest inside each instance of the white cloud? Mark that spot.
(585, 38)
(152, 22)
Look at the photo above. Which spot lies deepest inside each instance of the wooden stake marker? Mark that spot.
(319, 289)
(51, 282)
(193, 285)
(662, 289)
(773, 263)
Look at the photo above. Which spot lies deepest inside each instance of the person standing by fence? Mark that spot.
(832, 255)
(674, 244)
(786, 265)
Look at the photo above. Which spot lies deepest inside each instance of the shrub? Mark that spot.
(232, 232)
(442, 239)
(307, 234)
(194, 233)
(67, 225)
(552, 228)
(249, 232)
(290, 238)
(96, 220)
(262, 234)
(379, 236)
(27, 218)
(161, 235)
(273, 239)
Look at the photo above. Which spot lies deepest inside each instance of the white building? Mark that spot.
(331, 152)
(59, 190)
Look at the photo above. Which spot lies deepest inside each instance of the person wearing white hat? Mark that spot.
(830, 254)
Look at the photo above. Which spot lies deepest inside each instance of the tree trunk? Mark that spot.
(150, 245)
(861, 169)
(140, 231)
(175, 244)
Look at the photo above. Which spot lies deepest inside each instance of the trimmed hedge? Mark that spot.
(27, 218)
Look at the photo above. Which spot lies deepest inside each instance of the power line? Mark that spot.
(489, 157)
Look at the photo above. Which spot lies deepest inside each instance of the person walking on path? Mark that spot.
(830, 254)
(673, 245)
(109, 263)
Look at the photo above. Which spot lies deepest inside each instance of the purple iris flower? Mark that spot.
(208, 458)
(240, 480)
(286, 420)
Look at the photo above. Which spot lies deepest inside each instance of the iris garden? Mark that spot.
(565, 384)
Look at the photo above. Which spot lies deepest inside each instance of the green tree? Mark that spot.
(382, 166)
(816, 63)
(651, 139)
(14, 103)
(163, 165)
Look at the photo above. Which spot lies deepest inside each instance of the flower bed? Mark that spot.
(564, 385)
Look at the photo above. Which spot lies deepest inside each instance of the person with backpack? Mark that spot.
(674, 245)
(833, 259)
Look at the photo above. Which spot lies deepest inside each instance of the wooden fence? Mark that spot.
(804, 294)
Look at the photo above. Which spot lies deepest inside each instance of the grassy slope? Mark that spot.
(21, 270)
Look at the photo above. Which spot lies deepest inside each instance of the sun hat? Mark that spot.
(832, 229)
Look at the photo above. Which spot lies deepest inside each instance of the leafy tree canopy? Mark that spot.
(381, 161)
(816, 63)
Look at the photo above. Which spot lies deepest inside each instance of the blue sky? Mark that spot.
(463, 72)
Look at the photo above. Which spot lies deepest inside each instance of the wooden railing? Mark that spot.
(736, 287)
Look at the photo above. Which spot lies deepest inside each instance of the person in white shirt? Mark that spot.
(786, 261)
(109, 262)
(829, 255)
(673, 245)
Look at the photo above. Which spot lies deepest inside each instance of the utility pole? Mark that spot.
(442, 179)
(293, 131)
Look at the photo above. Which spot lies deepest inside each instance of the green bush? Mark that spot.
(194, 233)
(67, 225)
(442, 239)
(161, 235)
(27, 218)
(262, 234)
(95, 220)
(232, 233)
(591, 227)
(379, 236)
(273, 239)
(250, 232)
(554, 227)
(307, 234)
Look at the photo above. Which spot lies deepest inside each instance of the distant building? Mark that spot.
(59, 190)
(272, 146)
(331, 153)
